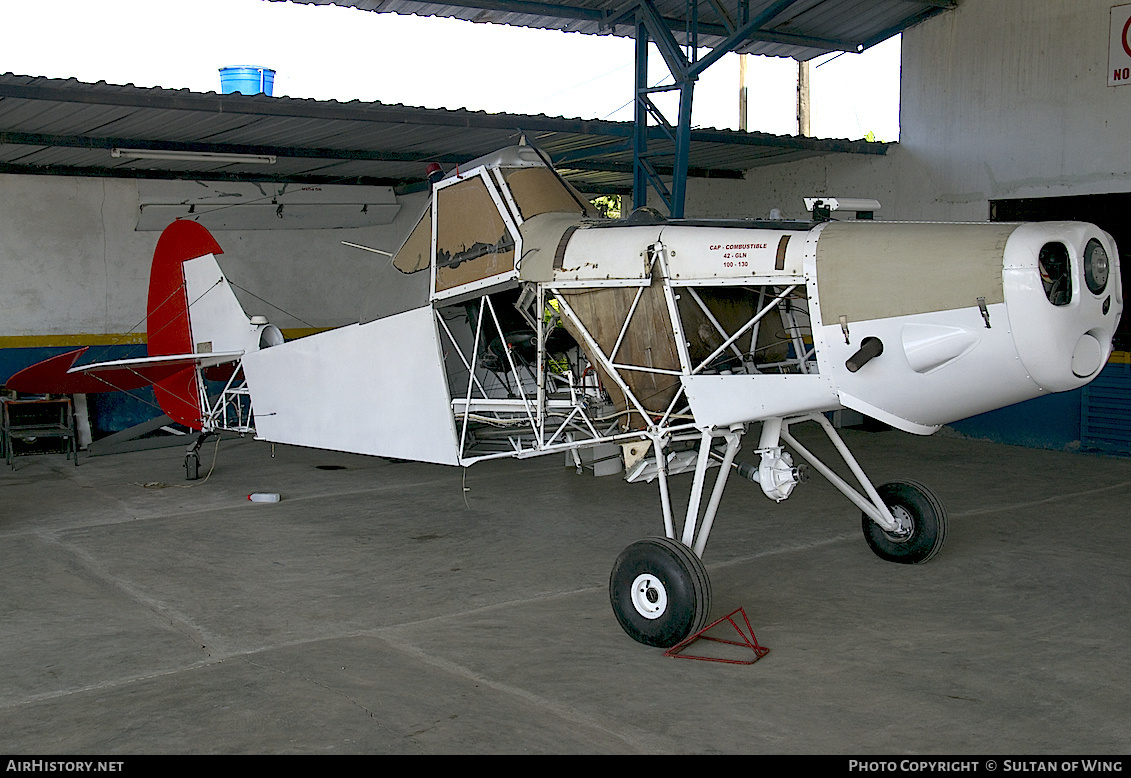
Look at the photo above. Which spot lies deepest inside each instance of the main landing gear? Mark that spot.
(659, 588)
(660, 592)
(921, 519)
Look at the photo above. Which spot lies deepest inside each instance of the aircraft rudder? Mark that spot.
(167, 313)
(175, 314)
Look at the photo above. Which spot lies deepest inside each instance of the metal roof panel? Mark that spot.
(804, 30)
(68, 127)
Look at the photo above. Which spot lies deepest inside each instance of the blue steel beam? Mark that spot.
(685, 69)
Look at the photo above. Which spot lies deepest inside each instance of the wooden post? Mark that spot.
(803, 99)
(742, 92)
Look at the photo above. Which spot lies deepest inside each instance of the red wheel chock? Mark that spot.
(750, 642)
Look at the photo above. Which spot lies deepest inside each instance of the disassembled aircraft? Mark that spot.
(550, 330)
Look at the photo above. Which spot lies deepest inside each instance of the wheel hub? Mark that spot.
(905, 525)
(649, 596)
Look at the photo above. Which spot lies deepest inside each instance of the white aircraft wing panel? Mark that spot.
(377, 388)
(720, 401)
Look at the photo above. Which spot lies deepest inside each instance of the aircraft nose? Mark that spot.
(1062, 339)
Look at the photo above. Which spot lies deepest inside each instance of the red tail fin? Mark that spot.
(176, 358)
(168, 323)
(169, 333)
(167, 314)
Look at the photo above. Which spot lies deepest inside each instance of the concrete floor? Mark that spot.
(380, 608)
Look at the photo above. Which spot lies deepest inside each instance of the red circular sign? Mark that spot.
(1126, 45)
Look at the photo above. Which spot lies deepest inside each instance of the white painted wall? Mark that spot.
(63, 245)
(999, 99)
(73, 263)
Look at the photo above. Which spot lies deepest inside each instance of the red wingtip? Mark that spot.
(50, 377)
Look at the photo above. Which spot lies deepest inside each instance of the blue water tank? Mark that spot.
(247, 81)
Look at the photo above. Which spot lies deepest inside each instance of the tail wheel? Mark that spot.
(192, 466)
(660, 592)
(922, 524)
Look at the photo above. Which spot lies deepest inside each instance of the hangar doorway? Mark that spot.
(1097, 417)
(1109, 212)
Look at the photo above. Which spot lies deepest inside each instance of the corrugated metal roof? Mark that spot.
(66, 127)
(804, 29)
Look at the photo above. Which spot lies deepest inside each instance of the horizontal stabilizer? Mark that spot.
(163, 365)
(58, 375)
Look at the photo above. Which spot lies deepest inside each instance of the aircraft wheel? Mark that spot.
(192, 467)
(922, 520)
(660, 592)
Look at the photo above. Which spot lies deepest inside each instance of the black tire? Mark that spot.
(660, 592)
(913, 502)
(192, 467)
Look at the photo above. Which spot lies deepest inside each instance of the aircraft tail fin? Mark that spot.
(193, 311)
(167, 314)
(197, 329)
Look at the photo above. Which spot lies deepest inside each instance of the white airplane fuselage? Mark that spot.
(961, 311)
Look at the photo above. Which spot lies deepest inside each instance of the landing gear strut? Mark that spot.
(659, 588)
(192, 456)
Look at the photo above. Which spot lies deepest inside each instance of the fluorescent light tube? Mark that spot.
(194, 156)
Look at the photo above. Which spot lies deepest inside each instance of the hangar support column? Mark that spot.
(685, 67)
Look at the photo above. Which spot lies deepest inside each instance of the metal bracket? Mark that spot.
(985, 311)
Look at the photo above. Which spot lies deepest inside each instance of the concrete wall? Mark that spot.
(75, 271)
(999, 99)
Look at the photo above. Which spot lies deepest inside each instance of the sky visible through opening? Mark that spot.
(333, 53)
